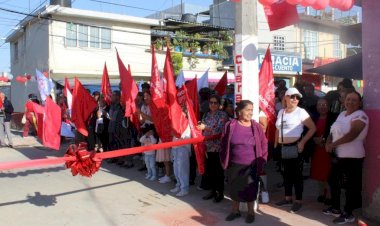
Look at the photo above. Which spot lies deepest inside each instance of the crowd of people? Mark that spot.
(329, 132)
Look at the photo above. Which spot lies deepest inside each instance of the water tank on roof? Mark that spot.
(188, 17)
(63, 3)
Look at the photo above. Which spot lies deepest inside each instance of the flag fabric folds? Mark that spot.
(67, 93)
(180, 79)
(222, 85)
(192, 92)
(177, 118)
(158, 107)
(44, 85)
(266, 94)
(129, 88)
(203, 81)
(105, 88)
(52, 125)
(199, 148)
(82, 107)
(281, 14)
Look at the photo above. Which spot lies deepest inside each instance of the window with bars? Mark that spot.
(71, 35)
(337, 51)
(87, 36)
(106, 38)
(279, 43)
(94, 37)
(83, 35)
(311, 44)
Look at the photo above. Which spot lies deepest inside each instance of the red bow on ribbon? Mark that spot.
(86, 163)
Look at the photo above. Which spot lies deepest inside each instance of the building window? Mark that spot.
(279, 43)
(94, 37)
(15, 51)
(337, 47)
(83, 36)
(71, 35)
(105, 38)
(311, 44)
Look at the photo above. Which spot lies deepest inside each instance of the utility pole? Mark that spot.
(246, 54)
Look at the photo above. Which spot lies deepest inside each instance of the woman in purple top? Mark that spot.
(244, 153)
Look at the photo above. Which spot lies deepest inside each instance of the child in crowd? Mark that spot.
(149, 138)
(99, 129)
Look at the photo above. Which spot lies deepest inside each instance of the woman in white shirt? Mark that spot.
(347, 140)
(289, 127)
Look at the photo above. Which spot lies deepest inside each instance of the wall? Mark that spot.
(371, 72)
(33, 54)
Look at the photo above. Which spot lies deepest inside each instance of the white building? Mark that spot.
(74, 42)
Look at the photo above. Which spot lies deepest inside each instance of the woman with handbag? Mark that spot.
(244, 153)
(289, 127)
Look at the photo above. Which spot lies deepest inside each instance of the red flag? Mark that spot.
(158, 107)
(82, 107)
(135, 116)
(39, 112)
(222, 84)
(266, 94)
(67, 87)
(281, 14)
(106, 86)
(199, 148)
(128, 88)
(177, 118)
(192, 92)
(52, 125)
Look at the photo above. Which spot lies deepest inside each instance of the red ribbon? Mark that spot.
(86, 163)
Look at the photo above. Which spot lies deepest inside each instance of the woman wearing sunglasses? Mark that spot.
(289, 127)
(212, 124)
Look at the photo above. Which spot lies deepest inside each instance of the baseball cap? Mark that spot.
(293, 91)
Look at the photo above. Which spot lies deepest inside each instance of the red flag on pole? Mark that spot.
(128, 88)
(106, 86)
(39, 112)
(192, 92)
(67, 87)
(158, 107)
(52, 125)
(266, 94)
(222, 84)
(199, 148)
(178, 120)
(281, 14)
(83, 105)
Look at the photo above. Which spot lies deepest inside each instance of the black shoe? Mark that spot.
(321, 198)
(296, 207)
(209, 196)
(218, 198)
(328, 202)
(142, 168)
(233, 216)
(284, 203)
(250, 218)
(11, 146)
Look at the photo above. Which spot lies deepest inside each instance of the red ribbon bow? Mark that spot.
(86, 163)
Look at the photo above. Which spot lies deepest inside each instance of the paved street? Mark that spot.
(119, 196)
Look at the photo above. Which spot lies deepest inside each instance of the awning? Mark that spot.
(213, 76)
(350, 67)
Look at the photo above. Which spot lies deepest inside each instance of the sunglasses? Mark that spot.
(297, 97)
(213, 103)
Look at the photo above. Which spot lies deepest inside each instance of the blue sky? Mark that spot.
(9, 20)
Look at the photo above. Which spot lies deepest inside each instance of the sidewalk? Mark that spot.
(119, 196)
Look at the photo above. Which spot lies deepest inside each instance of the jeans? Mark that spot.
(293, 176)
(7, 127)
(150, 162)
(181, 166)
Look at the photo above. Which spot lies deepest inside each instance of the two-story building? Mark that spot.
(68, 42)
